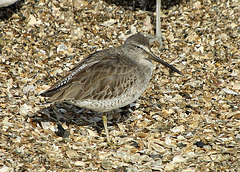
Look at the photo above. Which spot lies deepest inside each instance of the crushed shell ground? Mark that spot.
(180, 123)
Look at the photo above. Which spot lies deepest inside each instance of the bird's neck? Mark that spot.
(138, 55)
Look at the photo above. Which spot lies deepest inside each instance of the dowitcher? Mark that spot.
(108, 79)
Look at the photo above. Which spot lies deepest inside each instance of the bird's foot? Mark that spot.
(159, 38)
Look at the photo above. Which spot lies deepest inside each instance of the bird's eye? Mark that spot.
(139, 47)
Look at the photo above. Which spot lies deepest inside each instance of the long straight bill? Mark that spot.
(157, 59)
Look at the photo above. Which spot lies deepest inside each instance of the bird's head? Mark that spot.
(141, 42)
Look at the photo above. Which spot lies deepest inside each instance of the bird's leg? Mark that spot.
(104, 117)
(158, 22)
(159, 36)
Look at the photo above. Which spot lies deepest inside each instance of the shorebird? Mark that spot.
(108, 79)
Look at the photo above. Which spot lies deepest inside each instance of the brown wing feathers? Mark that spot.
(98, 79)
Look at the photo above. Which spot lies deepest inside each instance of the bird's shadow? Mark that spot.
(64, 113)
(8, 11)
